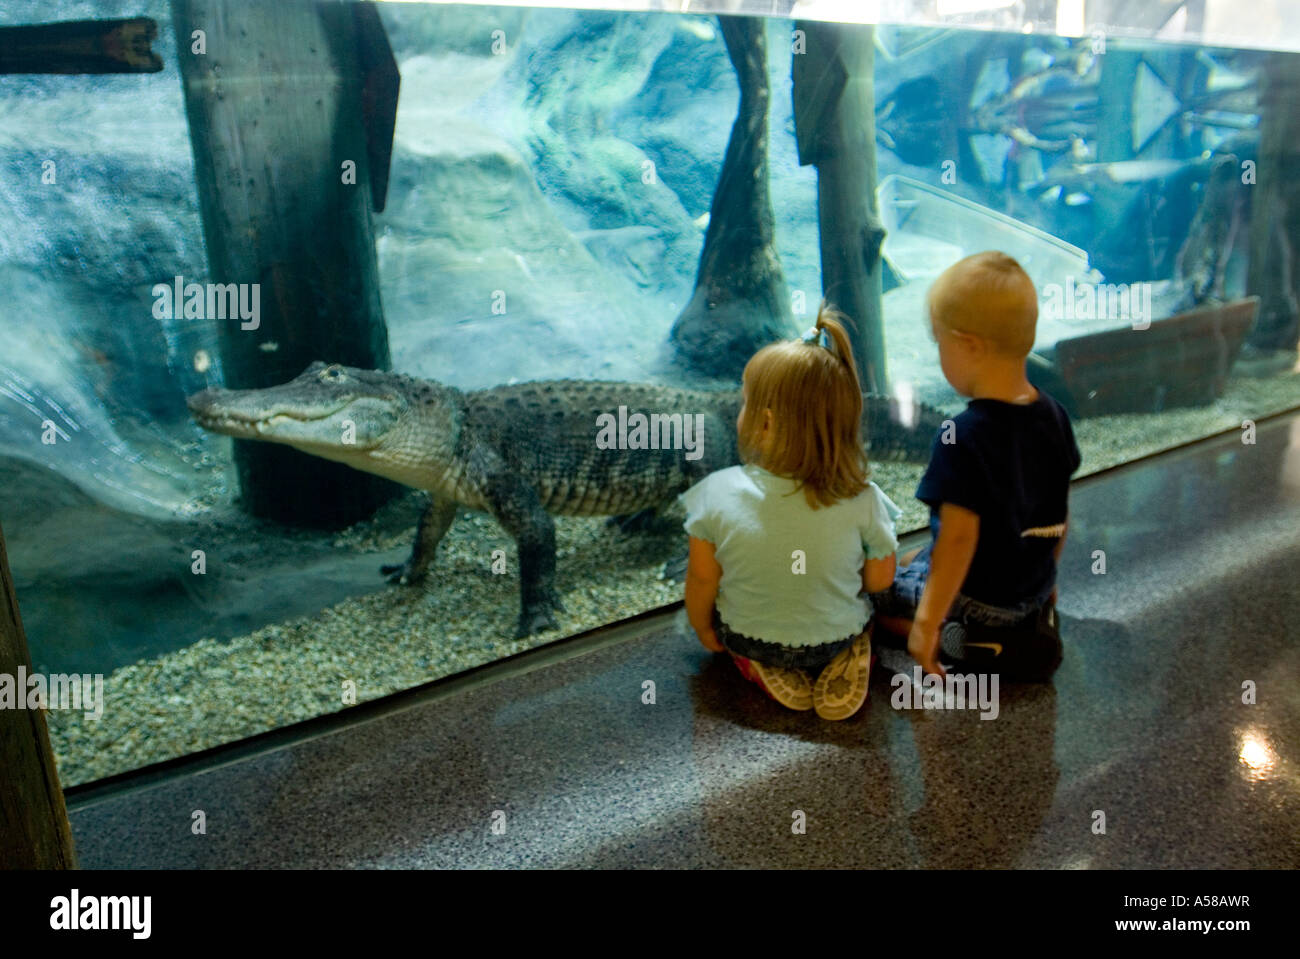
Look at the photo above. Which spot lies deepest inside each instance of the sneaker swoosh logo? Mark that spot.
(996, 647)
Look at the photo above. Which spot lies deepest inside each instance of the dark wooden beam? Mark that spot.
(34, 830)
(81, 46)
(380, 83)
(283, 179)
(835, 130)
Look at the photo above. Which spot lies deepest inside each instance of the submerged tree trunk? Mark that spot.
(34, 830)
(1274, 273)
(834, 115)
(740, 301)
(274, 105)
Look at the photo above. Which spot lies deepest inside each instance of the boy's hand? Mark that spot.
(923, 646)
(710, 642)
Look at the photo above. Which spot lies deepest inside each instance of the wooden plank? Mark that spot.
(34, 830)
(1180, 361)
(81, 46)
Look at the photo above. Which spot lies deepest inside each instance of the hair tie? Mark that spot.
(814, 335)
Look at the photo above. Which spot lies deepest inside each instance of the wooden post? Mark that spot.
(282, 167)
(1274, 273)
(34, 830)
(835, 127)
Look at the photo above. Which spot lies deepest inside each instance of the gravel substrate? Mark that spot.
(214, 692)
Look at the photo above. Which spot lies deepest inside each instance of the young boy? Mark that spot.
(997, 488)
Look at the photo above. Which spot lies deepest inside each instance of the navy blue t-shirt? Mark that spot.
(1011, 464)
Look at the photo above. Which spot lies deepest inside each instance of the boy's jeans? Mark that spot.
(904, 597)
(1029, 650)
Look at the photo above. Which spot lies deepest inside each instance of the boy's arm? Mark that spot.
(1056, 553)
(702, 577)
(949, 563)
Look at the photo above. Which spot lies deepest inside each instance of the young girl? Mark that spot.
(777, 545)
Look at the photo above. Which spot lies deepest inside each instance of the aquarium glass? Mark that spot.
(548, 184)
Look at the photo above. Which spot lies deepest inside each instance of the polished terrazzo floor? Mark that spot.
(1143, 731)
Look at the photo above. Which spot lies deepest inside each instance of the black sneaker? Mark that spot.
(1026, 652)
(973, 647)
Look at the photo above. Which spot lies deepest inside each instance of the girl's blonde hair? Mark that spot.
(816, 403)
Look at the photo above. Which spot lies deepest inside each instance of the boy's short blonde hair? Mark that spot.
(991, 296)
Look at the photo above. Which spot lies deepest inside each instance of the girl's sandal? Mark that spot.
(789, 687)
(841, 689)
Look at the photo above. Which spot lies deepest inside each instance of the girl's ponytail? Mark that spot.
(833, 322)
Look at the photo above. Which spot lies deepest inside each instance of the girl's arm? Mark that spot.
(702, 577)
(878, 574)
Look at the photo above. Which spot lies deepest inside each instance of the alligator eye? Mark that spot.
(332, 373)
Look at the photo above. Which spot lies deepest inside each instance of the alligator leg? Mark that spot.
(674, 570)
(434, 522)
(514, 503)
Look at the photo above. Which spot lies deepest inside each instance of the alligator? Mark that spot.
(522, 452)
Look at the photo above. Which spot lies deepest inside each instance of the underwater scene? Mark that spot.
(341, 338)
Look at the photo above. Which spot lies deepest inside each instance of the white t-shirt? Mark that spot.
(768, 590)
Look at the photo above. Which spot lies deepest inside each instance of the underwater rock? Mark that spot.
(66, 405)
(617, 136)
(740, 302)
(518, 213)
